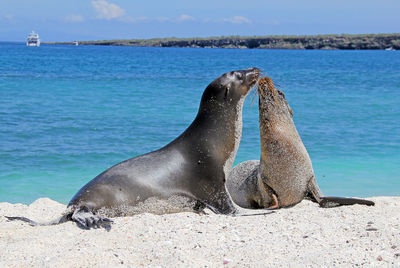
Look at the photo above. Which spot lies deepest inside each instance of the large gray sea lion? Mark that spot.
(284, 175)
(192, 167)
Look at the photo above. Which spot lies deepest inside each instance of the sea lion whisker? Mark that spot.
(254, 97)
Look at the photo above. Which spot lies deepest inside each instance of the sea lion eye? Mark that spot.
(281, 93)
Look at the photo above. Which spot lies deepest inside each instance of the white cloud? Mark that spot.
(135, 19)
(163, 19)
(106, 10)
(181, 18)
(206, 20)
(185, 17)
(74, 18)
(233, 20)
(237, 20)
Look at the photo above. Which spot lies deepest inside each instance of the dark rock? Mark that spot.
(352, 42)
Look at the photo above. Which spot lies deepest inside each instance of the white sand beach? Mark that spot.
(302, 236)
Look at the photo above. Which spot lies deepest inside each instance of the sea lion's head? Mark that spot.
(272, 102)
(232, 86)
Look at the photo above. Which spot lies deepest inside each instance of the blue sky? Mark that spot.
(122, 19)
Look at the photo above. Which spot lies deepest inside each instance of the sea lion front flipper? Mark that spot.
(86, 219)
(333, 201)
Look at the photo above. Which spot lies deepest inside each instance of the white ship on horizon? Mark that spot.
(33, 40)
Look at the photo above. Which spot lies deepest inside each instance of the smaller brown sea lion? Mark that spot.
(284, 176)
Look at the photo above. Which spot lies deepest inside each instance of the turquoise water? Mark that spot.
(67, 113)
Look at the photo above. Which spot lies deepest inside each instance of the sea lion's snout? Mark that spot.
(266, 87)
(236, 83)
(262, 86)
(270, 96)
(252, 75)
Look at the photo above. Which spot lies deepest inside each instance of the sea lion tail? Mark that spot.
(333, 201)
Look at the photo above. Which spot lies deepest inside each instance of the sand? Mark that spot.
(302, 236)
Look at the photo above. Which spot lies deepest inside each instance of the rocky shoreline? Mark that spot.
(343, 41)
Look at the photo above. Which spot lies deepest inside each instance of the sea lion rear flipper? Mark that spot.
(86, 219)
(332, 201)
(31, 222)
(315, 194)
(64, 218)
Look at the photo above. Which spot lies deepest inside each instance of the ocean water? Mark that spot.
(68, 113)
